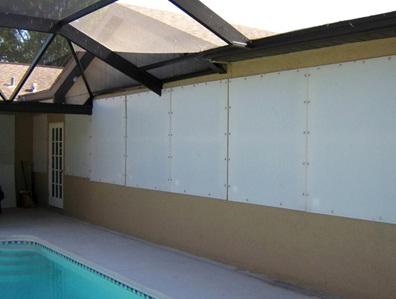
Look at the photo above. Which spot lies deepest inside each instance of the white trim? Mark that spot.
(55, 201)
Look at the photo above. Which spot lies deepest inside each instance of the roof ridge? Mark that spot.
(245, 28)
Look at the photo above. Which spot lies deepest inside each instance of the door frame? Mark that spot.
(56, 201)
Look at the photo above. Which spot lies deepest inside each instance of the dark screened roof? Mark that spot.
(113, 32)
(150, 47)
(49, 9)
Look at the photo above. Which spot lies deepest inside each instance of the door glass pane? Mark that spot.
(56, 163)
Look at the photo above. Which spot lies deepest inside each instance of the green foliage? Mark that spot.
(22, 46)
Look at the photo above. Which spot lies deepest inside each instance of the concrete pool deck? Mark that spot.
(165, 271)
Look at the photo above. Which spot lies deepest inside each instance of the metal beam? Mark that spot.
(213, 22)
(190, 75)
(68, 82)
(162, 63)
(118, 62)
(36, 60)
(126, 88)
(362, 29)
(367, 28)
(79, 38)
(10, 20)
(84, 41)
(2, 95)
(350, 31)
(81, 69)
(45, 108)
(63, 83)
(217, 67)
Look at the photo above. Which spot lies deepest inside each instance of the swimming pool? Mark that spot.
(30, 270)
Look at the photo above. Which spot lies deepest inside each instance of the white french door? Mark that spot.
(55, 164)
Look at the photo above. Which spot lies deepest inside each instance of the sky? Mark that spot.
(284, 15)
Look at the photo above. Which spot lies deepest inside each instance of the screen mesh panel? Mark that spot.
(49, 67)
(127, 28)
(18, 49)
(49, 9)
(146, 59)
(102, 76)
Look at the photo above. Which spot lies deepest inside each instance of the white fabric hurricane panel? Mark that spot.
(108, 141)
(267, 142)
(317, 139)
(7, 159)
(77, 144)
(148, 163)
(353, 145)
(40, 141)
(199, 141)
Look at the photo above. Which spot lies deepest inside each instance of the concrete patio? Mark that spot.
(160, 271)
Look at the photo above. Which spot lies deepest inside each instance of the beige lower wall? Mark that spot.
(53, 118)
(344, 257)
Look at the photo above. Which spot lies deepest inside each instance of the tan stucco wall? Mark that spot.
(52, 118)
(344, 257)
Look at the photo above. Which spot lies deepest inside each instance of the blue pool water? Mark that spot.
(29, 270)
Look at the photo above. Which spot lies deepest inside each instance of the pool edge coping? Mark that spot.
(130, 283)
